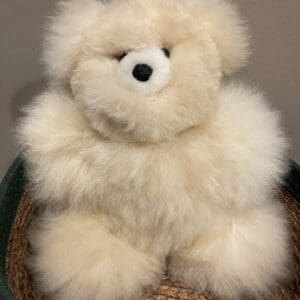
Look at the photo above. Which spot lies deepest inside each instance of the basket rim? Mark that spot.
(12, 188)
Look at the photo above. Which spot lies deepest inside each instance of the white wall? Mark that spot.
(20, 71)
(275, 61)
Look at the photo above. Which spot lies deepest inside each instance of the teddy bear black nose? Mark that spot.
(142, 72)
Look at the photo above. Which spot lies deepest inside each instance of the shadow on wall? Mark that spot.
(24, 96)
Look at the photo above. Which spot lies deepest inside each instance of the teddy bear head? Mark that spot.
(142, 70)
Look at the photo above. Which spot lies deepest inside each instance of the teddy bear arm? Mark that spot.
(248, 145)
(55, 139)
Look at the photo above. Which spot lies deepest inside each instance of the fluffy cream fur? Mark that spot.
(85, 259)
(130, 177)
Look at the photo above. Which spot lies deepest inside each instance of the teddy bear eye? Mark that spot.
(166, 52)
(119, 57)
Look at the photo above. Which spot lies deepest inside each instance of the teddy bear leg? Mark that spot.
(246, 253)
(77, 257)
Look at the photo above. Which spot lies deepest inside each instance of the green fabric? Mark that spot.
(292, 181)
(11, 191)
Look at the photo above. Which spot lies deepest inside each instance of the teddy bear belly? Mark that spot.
(158, 214)
(164, 192)
(159, 228)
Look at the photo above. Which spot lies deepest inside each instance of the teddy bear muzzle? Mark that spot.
(146, 70)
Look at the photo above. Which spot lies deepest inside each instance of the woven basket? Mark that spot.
(16, 211)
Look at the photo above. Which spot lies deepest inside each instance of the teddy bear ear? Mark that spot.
(64, 34)
(229, 32)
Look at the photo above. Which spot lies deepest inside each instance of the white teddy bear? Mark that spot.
(146, 161)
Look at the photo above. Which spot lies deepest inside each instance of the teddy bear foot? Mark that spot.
(246, 256)
(76, 257)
